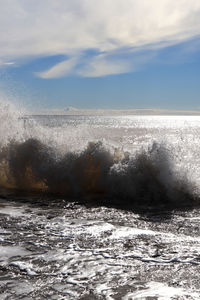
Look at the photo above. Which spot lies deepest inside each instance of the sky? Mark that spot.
(108, 54)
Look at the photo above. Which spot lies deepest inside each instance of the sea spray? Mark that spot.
(31, 160)
(147, 178)
(11, 126)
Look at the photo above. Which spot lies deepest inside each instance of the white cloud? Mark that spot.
(102, 66)
(7, 63)
(37, 28)
(61, 69)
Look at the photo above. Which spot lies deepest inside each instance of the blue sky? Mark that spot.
(107, 55)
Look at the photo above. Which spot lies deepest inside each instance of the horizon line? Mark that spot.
(137, 111)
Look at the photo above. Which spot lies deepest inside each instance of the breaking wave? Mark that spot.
(28, 163)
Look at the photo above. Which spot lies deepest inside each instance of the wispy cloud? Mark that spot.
(111, 64)
(7, 63)
(38, 28)
(101, 66)
(61, 69)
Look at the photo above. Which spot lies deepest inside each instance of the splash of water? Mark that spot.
(30, 162)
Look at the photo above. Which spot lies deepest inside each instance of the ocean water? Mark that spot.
(99, 207)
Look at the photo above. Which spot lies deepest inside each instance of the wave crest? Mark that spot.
(146, 178)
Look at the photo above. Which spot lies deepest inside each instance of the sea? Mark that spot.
(99, 207)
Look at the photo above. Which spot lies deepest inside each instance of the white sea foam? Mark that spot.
(11, 251)
(13, 211)
(160, 291)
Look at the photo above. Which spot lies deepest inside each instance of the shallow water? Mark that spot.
(65, 250)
